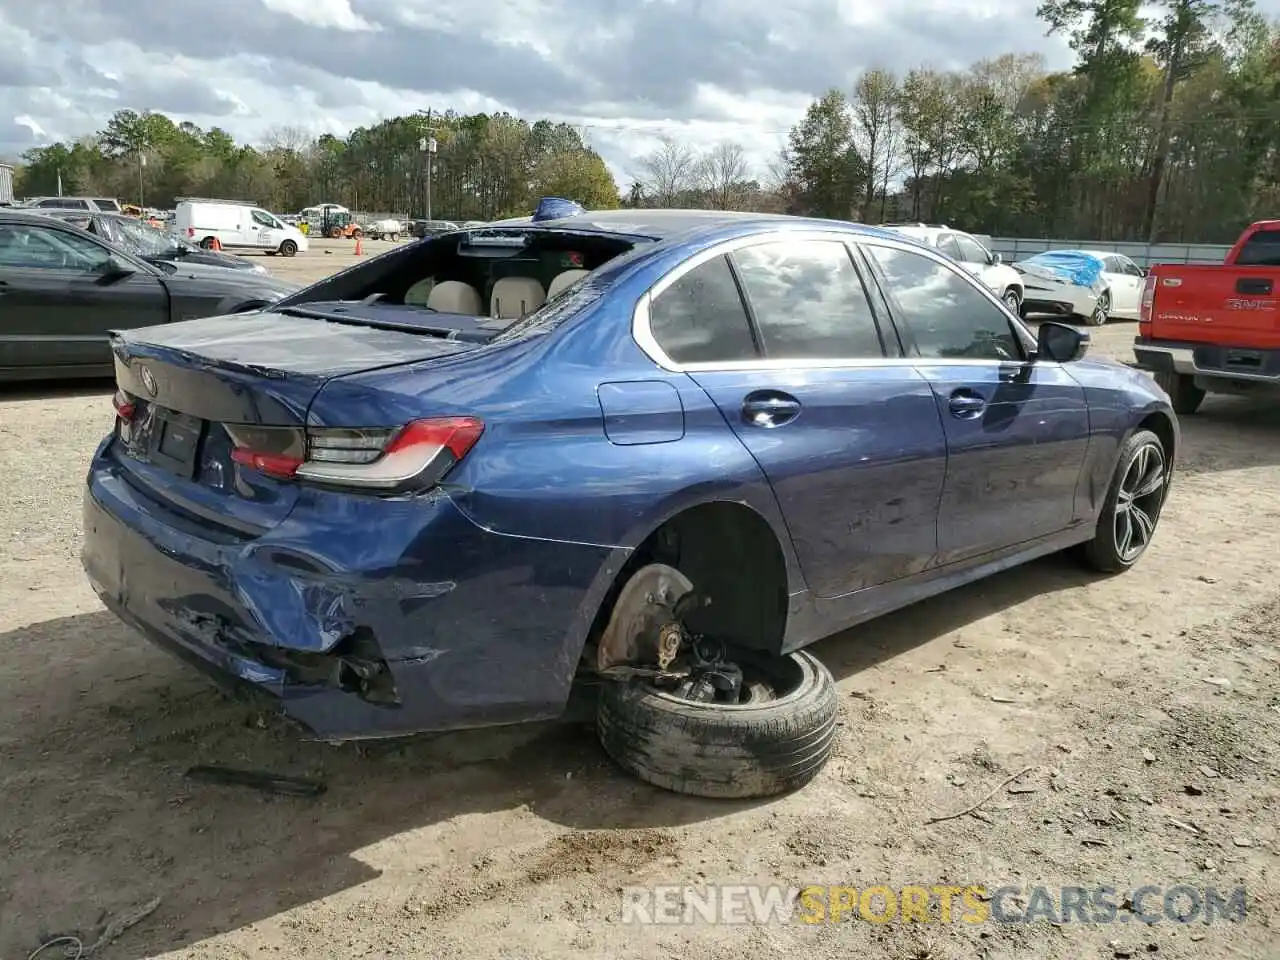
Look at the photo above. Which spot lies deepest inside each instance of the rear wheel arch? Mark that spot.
(732, 554)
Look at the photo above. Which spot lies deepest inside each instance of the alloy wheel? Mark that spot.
(1100, 311)
(1138, 503)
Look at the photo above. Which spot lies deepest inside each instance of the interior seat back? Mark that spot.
(515, 297)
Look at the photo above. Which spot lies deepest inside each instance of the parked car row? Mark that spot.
(66, 282)
(151, 244)
(1088, 286)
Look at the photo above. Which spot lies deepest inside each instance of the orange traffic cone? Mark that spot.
(359, 247)
(216, 245)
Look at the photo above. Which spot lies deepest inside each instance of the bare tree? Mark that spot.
(876, 96)
(288, 138)
(722, 174)
(668, 172)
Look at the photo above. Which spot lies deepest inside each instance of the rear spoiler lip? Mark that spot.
(120, 342)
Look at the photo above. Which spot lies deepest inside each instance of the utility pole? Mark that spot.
(431, 152)
(142, 162)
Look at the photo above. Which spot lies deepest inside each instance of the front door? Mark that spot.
(850, 441)
(1017, 432)
(270, 231)
(56, 302)
(977, 260)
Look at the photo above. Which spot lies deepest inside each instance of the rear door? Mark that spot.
(56, 304)
(781, 333)
(1125, 280)
(1016, 432)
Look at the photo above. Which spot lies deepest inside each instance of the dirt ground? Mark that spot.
(518, 842)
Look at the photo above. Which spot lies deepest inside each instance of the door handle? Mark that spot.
(967, 405)
(769, 409)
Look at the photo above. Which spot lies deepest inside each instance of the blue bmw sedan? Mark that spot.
(661, 451)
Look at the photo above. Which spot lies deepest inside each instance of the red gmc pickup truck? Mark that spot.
(1215, 329)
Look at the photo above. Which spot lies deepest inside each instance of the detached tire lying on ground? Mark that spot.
(774, 742)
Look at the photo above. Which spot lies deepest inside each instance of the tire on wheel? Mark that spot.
(1101, 310)
(288, 248)
(1131, 511)
(1183, 393)
(1013, 300)
(758, 748)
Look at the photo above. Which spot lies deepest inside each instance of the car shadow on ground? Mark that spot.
(1230, 433)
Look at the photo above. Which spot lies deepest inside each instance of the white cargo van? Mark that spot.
(235, 225)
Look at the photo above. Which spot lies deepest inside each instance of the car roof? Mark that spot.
(661, 224)
(16, 215)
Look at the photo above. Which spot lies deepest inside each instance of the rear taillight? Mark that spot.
(1145, 305)
(125, 407)
(414, 457)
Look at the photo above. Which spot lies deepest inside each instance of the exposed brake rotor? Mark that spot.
(644, 628)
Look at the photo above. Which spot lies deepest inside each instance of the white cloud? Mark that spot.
(37, 131)
(336, 14)
(625, 71)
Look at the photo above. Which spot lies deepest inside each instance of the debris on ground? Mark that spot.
(991, 793)
(259, 780)
(74, 948)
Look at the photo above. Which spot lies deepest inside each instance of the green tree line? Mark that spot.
(484, 166)
(1168, 128)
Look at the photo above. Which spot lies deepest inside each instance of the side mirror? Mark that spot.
(996, 259)
(1060, 343)
(113, 269)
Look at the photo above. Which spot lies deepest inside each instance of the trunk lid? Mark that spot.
(1221, 305)
(186, 388)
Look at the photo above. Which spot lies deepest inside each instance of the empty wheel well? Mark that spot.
(731, 555)
(1162, 427)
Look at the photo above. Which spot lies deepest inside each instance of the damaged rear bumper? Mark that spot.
(408, 619)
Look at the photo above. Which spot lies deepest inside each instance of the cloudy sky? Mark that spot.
(625, 70)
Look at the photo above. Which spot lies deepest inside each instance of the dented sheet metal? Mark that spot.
(283, 344)
(381, 604)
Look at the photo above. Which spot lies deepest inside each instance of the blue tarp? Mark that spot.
(1082, 269)
(556, 208)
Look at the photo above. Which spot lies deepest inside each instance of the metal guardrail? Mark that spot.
(1143, 254)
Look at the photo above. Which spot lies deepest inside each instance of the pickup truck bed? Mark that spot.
(1215, 329)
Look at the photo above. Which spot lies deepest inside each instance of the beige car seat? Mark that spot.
(515, 297)
(563, 281)
(420, 292)
(454, 296)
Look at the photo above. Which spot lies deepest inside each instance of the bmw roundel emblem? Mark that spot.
(148, 381)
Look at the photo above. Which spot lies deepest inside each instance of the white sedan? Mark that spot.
(1091, 284)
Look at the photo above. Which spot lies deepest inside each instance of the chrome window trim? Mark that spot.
(642, 331)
